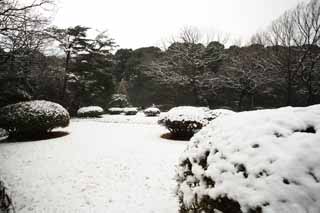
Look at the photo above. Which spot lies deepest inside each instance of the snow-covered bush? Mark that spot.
(213, 114)
(184, 121)
(115, 110)
(33, 117)
(6, 205)
(3, 133)
(119, 101)
(152, 111)
(91, 111)
(265, 161)
(130, 111)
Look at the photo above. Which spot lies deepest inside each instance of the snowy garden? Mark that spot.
(189, 159)
(124, 107)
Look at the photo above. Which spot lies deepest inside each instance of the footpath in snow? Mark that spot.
(99, 167)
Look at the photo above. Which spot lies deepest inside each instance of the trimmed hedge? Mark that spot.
(183, 122)
(91, 111)
(151, 111)
(130, 111)
(33, 117)
(115, 110)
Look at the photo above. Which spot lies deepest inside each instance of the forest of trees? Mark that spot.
(279, 66)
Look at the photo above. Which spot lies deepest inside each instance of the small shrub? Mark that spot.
(3, 133)
(152, 111)
(253, 162)
(91, 111)
(33, 117)
(130, 111)
(115, 110)
(183, 122)
(6, 205)
(119, 101)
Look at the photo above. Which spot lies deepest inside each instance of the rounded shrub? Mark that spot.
(90, 111)
(184, 121)
(151, 111)
(130, 111)
(3, 133)
(115, 110)
(33, 117)
(253, 162)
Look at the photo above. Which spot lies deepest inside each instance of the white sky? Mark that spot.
(138, 23)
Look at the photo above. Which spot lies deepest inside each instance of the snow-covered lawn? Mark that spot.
(112, 164)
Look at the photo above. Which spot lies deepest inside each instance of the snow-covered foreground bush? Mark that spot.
(130, 111)
(185, 121)
(33, 117)
(265, 161)
(91, 111)
(152, 111)
(115, 110)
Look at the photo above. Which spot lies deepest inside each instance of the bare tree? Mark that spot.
(247, 72)
(223, 38)
(307, 22)
(282, 36)
(189, 34)
(14, 15)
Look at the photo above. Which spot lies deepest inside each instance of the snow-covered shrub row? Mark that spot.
(185, 121)
(152, 111)
(130, 111)
(265, 161)
(115, 110)
(33, 117)
(119, 100)
(90, 111)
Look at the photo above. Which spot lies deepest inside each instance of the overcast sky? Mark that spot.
(138, 23)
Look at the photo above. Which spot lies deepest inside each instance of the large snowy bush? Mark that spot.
(90, 111)
(265, 161)
(152, 111)
(130, 111)
(185, 121)
(33, 117)
(119, 100)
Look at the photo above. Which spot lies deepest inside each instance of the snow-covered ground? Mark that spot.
(139, 118)
(112, 164)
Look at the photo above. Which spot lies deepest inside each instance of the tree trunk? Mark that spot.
(289, 93)
(310, 100)
(65, 80)
(289, 79)
(240, 100)
(195, 92)
(252, 101)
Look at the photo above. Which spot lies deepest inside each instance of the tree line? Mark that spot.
(279, 66)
